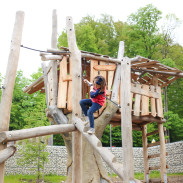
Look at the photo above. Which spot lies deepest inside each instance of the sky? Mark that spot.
(38, 22)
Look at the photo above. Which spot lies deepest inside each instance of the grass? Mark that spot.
(153, 174)
(27, 178)
(58, 178)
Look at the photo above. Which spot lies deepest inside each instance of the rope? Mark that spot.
(42, 50)
(89, 84)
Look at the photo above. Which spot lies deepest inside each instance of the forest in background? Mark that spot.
(142, 36)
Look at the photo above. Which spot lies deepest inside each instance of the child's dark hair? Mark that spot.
(100, 80)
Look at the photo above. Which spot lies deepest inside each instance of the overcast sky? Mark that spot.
(38, 22)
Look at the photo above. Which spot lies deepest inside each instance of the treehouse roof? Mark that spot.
(142, 70)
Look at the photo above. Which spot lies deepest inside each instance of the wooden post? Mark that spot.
(6, 99)
(54, 66)
(44, 69)
(126, 120)
(145, 153)
(53, 63)
(117, 77)
(167, 132)
(163, 170)
(76, 97)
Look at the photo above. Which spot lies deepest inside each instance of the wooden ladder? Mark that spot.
(162, 167)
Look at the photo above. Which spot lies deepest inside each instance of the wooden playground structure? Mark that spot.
(134, 83)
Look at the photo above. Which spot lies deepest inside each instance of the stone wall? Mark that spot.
(58, 160)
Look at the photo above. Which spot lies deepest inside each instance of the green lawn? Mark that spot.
(153, 174)
(58, 179)
(27, 178)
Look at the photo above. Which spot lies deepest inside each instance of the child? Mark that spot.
(97, 93)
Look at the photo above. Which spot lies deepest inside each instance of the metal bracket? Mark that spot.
(2, 87)
(165, 178)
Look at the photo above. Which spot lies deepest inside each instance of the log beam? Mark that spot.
(34, 84)
(159, 72)
(15, 135)
(58, 115)
(51, 57)
(58, 52)
(107, 156)
(93, 57)
(7, 153)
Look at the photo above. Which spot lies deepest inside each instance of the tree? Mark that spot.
(143, 36)
(34, 154)
(176, 54)
(174, 125)
(35, 105)
(170, 23)
(17, 120)
(99, 36)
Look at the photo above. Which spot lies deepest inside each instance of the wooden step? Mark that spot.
(155, 144)
(156, 167)
(155, 180)
(155, 155)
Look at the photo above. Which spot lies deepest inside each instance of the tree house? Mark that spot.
(134, 83)
(148, 77)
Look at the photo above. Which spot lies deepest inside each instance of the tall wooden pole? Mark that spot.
(76, 97)
(126, 120)
(163, 170)
(145, 153)
(6, 99)
(54, 29)
(54, 65)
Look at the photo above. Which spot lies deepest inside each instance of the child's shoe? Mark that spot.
(91, 131)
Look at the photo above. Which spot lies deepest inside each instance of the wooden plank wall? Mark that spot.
(62, 85)
(145, 99)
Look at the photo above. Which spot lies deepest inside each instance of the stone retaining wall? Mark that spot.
(58, 160)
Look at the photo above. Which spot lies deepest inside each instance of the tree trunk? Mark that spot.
(93, 169)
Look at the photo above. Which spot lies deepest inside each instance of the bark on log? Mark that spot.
(45, 77)
(6, 98)
(76, 97)
(51, 57)
(7, 153)
(126, 121)
(8, 136)
(54, 29)
(93, 57)
(58, 52)
(107, 156)
(58, 115)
